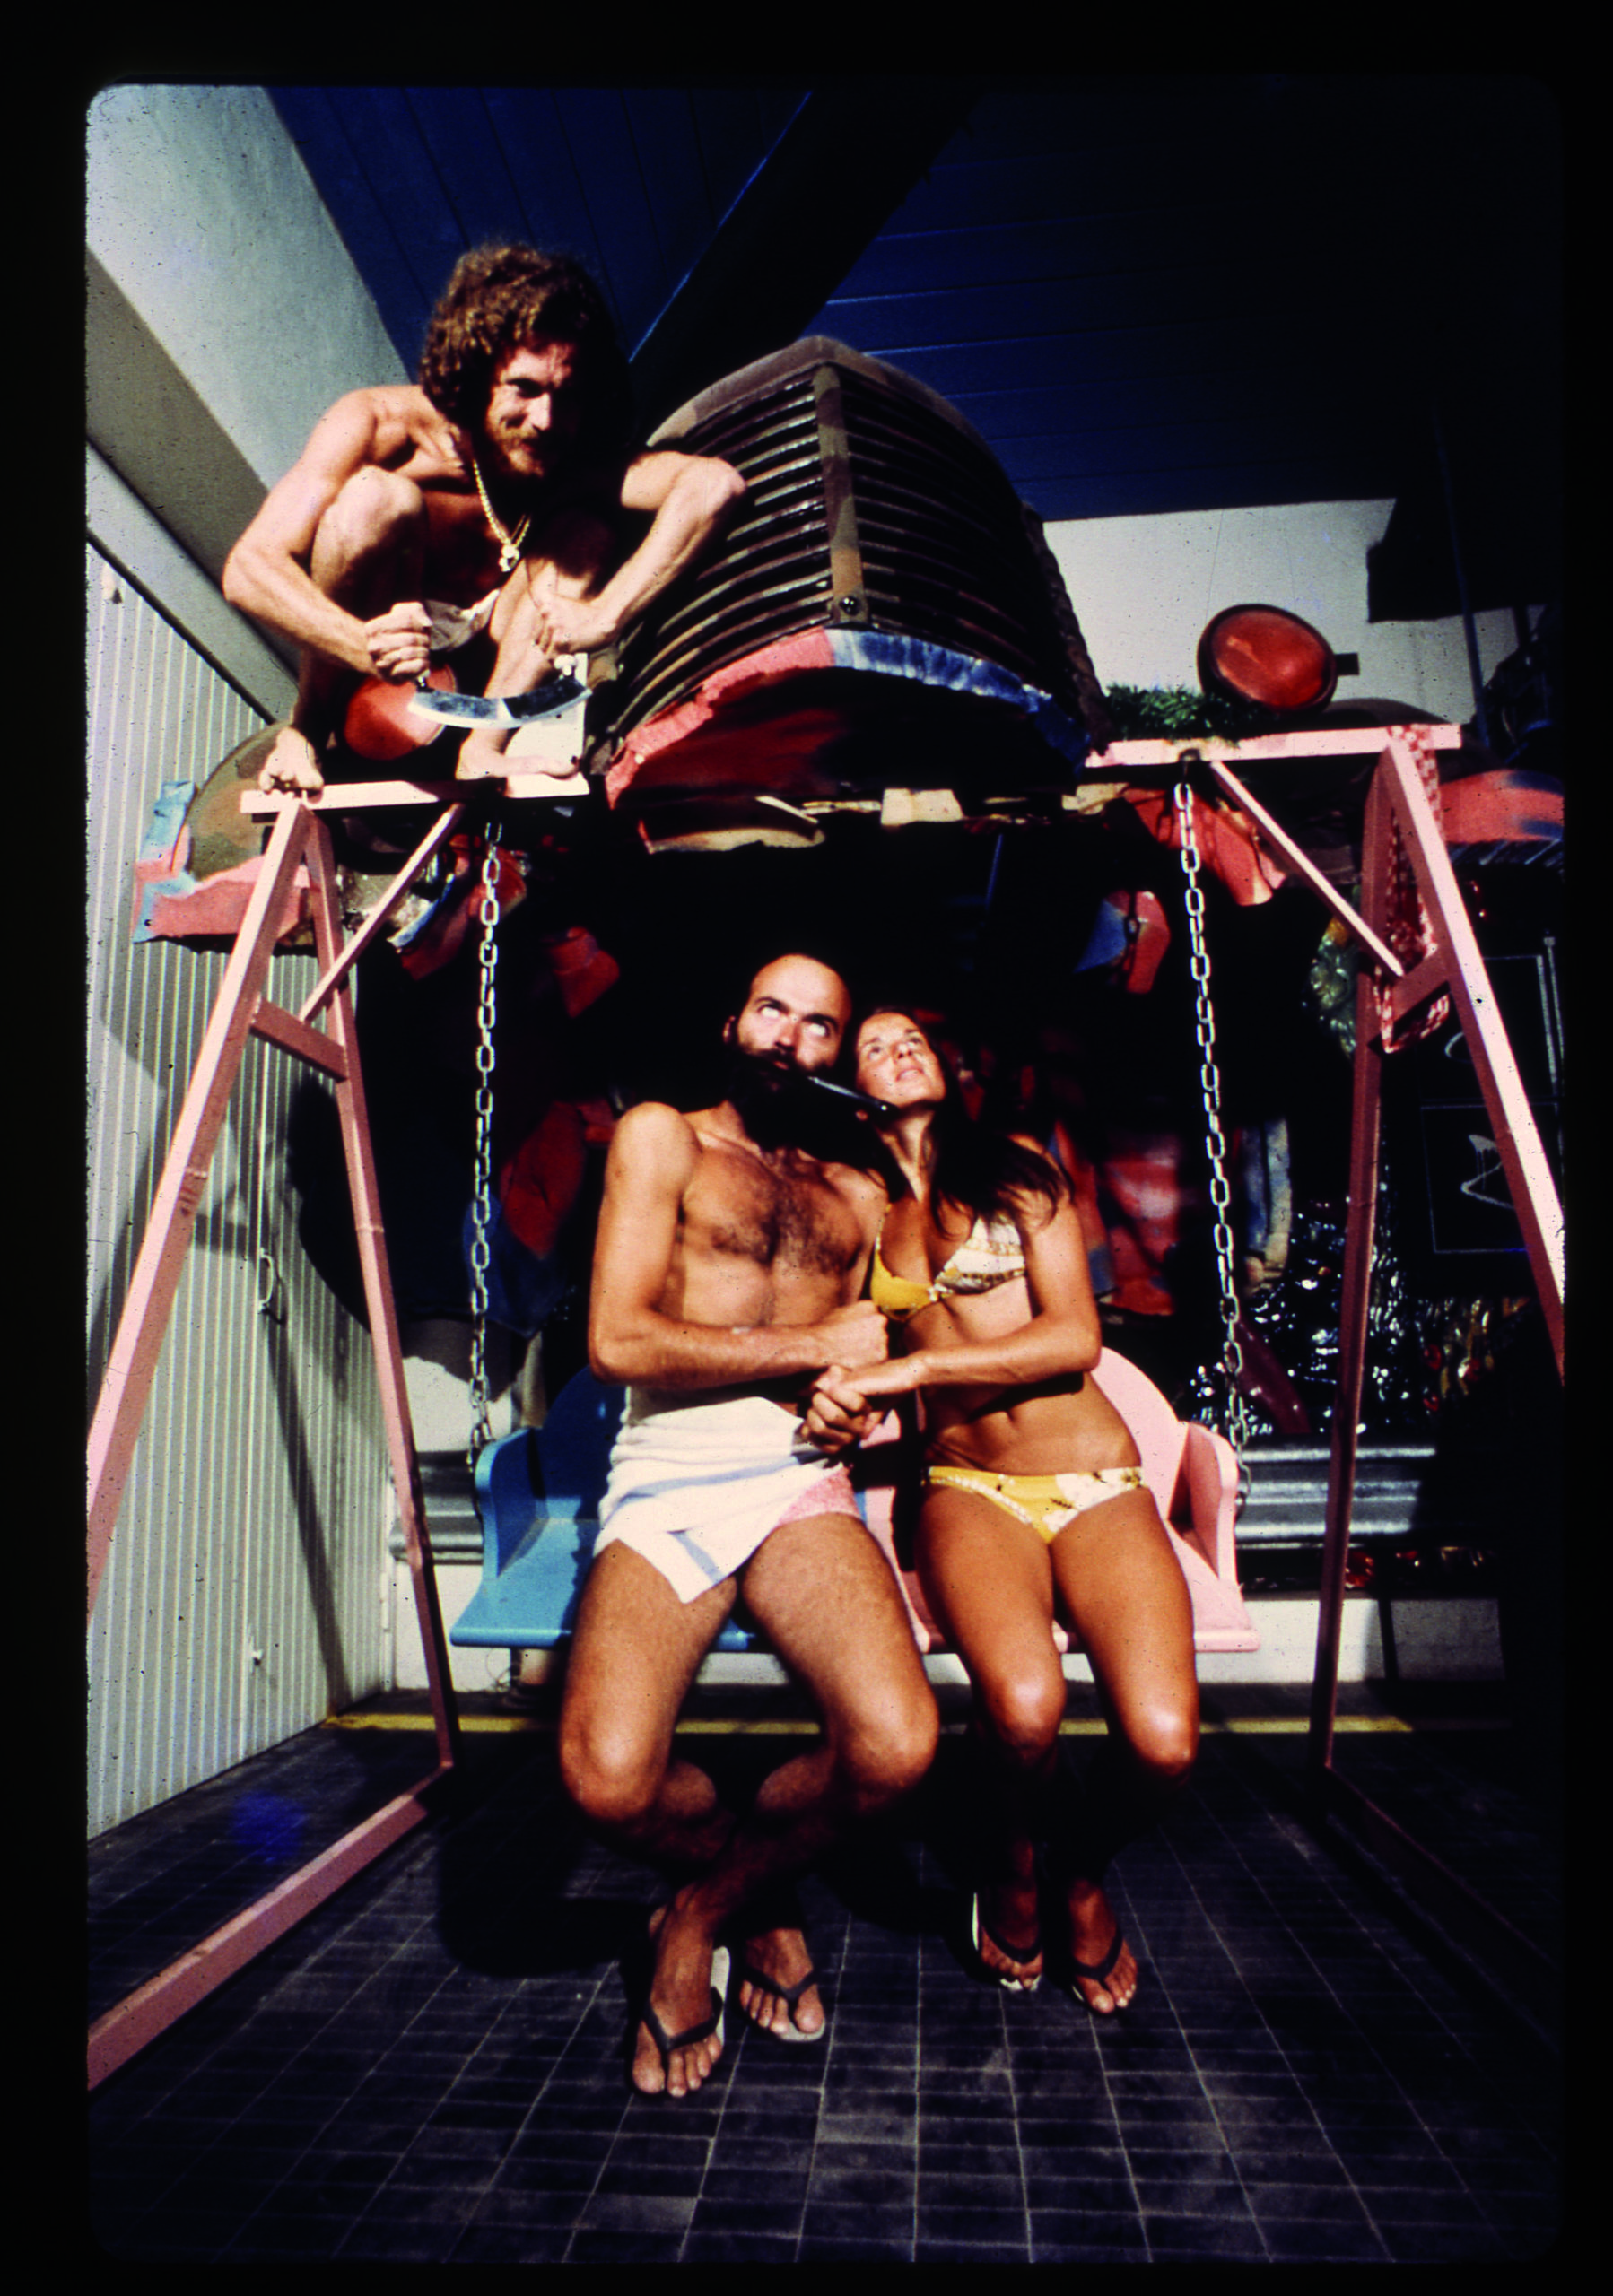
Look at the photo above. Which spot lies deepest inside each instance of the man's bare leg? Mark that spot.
(567, 560)
(635, 1652)
(368, 552)
(823, 1595)
(775, 1997)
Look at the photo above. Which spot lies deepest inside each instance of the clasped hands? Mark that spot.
(848, 1401)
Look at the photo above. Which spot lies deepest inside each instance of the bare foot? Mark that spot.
(1094, 1933)
(779, 1959)
(482, 755)
(292, 764)
(1010, 1914)
(686, 1971)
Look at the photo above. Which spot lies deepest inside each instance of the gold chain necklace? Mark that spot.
(509, 545)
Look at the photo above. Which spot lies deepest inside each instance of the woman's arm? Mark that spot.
(1061, 1337)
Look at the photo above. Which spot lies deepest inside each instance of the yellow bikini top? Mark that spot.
(990, 1254)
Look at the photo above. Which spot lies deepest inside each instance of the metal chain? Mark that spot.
(1234, 1411)
(481, 1424)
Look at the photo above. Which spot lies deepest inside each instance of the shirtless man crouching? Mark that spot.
(478, 514)
(729, 1271)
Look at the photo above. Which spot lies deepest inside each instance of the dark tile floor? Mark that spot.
(431, 2069)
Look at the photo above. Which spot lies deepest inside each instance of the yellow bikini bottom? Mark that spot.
(1049, 1503)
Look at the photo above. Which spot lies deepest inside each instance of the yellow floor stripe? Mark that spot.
(1289, 1726)
(467, 1722)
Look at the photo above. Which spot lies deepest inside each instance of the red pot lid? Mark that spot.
(1265, 655)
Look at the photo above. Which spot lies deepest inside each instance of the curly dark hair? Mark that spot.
(501, 298)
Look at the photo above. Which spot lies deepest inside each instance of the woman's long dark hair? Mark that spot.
(978, 1166)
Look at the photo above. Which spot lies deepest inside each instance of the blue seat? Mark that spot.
(538, 1493)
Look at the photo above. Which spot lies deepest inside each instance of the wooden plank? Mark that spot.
(1344, 741)
(152, 2007)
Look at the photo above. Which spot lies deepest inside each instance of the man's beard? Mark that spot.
(514, 489)
(779, 1107)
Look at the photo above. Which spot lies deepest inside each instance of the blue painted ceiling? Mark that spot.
(1147, 293)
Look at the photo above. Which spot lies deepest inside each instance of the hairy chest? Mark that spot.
(787, 1219)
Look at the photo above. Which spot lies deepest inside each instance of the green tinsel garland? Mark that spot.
(1176, 713)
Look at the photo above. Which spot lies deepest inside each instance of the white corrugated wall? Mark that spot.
(243, 1600)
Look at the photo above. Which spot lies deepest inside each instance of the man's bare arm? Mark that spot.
(652, 1160)
(690, 496)
(267, 573)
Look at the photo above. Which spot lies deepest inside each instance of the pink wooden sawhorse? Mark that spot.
(1401, 820)
(299, 838)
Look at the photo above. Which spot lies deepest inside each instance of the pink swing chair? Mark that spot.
(1191, 1472)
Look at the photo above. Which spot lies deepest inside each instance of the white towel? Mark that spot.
(696, 1487)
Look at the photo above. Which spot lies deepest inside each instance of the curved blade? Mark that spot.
(487, 709)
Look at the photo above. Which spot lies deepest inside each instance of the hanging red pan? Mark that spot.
(1267, 655)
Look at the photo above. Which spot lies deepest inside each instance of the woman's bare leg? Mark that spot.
(989, 1583)
(1123, 1592)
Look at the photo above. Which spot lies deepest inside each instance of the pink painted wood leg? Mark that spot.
(299, 836)
(1398, 803)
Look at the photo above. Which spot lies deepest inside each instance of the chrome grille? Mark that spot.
(870, 503)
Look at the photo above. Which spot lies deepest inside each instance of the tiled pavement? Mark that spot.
(431, 2068)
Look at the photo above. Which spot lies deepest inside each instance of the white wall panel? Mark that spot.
(1143, 589)
(241, 1602)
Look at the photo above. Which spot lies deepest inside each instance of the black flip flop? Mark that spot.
(668, 2044)
(1096, 1973)
(977, 1923)
(789, 1995)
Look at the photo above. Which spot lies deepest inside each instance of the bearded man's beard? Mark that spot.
(780, 1107)
(772, 1097)
(514, 489)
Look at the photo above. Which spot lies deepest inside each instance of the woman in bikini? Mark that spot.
(1034, 1502)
